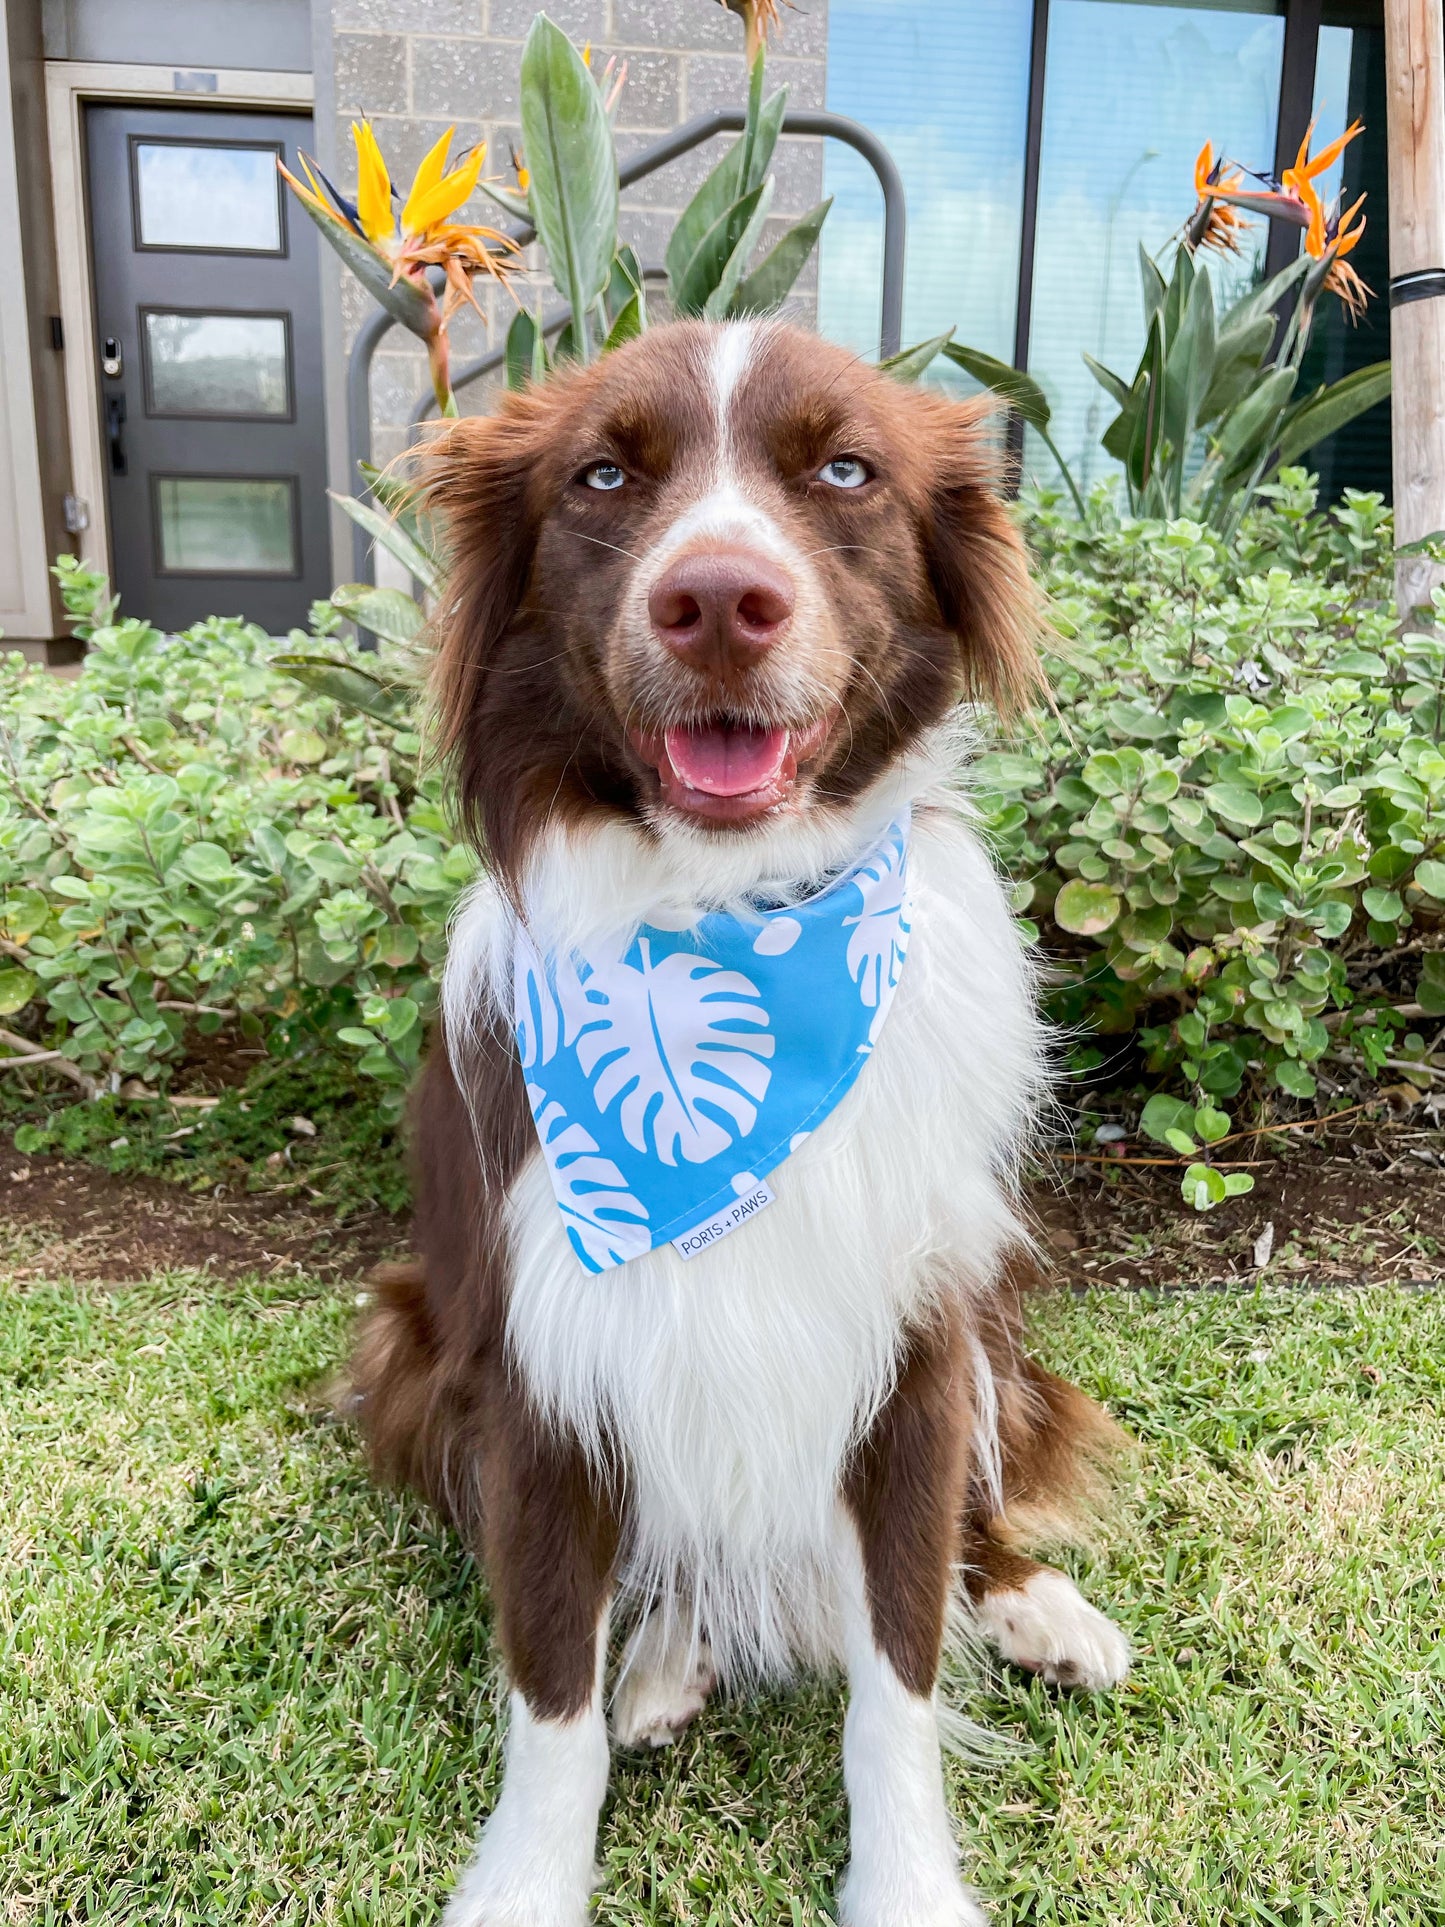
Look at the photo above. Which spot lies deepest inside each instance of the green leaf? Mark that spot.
(1019, 390)
(707, 207)
(1111, 383)
(394, 538)
(1330, 409)
(1204, 1187)
(698, 281)
(1430, 875)
(1152, 282)
(718, 304)
(573, 163)
(1385, 906)
(206, 862)
(1249, 428)
(389, 613)
(1430, 991)
(524, 344)
(1164, 1114)
(771, 281)
(626, 327)
(1088, 909)
(352, 687)
(1235, 804)
(17, 987)
(909, 363)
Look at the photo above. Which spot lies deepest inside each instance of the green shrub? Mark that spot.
(1232, 823)
(190, 839)
(1228, 835)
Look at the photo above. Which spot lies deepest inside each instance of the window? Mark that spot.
(221, 200)
(946, 88)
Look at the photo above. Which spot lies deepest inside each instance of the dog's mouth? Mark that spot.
(728, 770)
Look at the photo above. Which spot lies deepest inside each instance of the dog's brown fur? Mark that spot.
(532, 697)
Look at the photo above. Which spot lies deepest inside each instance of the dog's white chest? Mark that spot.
(732, 1385)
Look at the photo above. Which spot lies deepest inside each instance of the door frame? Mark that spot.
(71, 86)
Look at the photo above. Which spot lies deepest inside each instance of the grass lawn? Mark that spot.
(238, 1684)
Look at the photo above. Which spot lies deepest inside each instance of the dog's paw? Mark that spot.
(1049, 1628)
(494, 1891)
(656, 1701)
(909, 1901)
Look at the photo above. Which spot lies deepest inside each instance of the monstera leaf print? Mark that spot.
(680, 1045)
(605, 1223)
(536, 1014)
(879, 942)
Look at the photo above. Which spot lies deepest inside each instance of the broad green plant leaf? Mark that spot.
(1087, 909)
(626, 327)
(389, 613)
(1330, 409)
(573, 163)
(1022, 393)
(719, 303)
(385, 701)
(771, 281)
(394, 538)
(699, 279)
(909, 363)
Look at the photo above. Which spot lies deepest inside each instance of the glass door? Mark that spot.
(209, 331)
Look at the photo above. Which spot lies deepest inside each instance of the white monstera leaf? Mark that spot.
(653, 1042)
(606, 1223)
(879, 940)
(536, 1013)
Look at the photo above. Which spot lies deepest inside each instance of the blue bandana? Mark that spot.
(670, 1071)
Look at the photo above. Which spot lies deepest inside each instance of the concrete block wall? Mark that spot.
(416, 66)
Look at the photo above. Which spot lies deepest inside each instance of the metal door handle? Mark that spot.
(114, 418)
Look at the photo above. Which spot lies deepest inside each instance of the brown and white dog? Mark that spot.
(713, 605)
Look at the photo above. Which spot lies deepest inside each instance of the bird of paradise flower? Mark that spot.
(1329, 234)
(390, 258)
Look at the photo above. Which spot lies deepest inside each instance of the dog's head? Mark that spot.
(726, 574)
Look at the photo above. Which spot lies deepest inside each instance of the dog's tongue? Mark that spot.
(725, 761)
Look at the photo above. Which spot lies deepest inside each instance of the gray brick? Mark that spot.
(674, 185)
(417, 16)
(473, 77)
(703, 24)
(371, 73)
(580, 20)
(804, 32)
(398, 379)
(716, 80)
(647, 232)
(650, 96)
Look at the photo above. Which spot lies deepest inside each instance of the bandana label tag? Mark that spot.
(706, 1234)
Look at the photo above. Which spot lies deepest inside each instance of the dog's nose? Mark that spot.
(721, 608)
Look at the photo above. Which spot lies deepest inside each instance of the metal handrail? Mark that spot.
(726, 120)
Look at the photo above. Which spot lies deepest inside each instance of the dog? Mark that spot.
(716, 605)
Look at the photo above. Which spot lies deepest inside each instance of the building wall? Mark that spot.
(182, 33)
(33, 465)
(416, 66)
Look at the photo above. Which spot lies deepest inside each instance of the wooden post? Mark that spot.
(1415, 96)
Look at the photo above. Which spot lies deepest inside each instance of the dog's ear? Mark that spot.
(482, 478)
(976, 555)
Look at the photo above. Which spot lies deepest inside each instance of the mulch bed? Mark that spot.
(1367, 1204)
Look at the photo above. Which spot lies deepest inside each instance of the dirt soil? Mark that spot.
(64, 1219)
(1368, 1204)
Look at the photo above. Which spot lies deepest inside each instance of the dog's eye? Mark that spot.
(844, 471)
(604, 475)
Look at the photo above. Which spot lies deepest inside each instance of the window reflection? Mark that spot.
(946, 88)
(223, 525)
(222, 199)
(1131, 94)
(217, 364)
